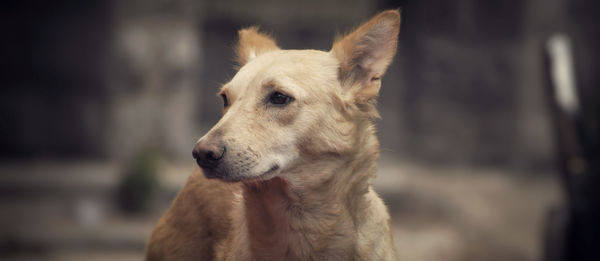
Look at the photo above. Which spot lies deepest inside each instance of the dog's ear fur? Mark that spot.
(253, 43)
(365, 54)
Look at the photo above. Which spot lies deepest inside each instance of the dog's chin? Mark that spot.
(240, 177)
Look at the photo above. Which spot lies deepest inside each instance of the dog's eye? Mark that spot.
(225, 101)
(278, 98)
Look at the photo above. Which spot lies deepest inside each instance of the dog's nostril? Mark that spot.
(217, 154)
(195, 154)
(210, 155)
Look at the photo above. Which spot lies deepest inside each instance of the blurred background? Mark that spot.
(102, 102)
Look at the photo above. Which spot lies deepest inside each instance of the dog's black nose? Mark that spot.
(208, 154)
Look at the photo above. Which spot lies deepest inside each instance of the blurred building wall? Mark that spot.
(471, 90)
(153, 77)
(99, 79)
(55, 56)
(103, 79)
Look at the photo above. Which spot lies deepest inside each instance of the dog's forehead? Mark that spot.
(302, 67)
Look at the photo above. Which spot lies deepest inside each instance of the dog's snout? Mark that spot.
(208, 154)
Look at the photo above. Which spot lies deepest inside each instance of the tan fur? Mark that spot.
(295, 179)
(252, 43)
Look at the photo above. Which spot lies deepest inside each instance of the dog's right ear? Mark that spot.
(365, 54)
(253, 43)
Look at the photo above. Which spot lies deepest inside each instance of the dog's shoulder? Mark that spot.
(197, 220)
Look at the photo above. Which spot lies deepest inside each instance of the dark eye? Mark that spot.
(225, 101)
(278, 98)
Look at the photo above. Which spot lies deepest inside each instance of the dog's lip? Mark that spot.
(269, 174)
(271, 170)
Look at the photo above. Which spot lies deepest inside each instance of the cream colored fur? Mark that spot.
(295, 180)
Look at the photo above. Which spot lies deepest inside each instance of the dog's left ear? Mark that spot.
(366, 53)
(253, 43)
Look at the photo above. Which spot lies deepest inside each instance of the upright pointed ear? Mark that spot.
(365, 54)
(253, 43)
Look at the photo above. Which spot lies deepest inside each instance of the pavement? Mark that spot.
(66, 211)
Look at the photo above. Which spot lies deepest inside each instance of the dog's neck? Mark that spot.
(294, 220)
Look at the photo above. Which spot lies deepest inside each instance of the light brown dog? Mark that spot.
(286, 172)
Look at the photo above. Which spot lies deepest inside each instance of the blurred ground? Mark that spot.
(449, 213)
(462, 213)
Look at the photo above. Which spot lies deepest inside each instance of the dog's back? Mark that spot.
(196, 221)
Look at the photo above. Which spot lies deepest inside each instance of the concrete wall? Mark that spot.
(106, 79)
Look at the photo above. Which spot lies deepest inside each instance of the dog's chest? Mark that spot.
(279, 235)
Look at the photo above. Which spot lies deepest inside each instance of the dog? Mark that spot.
(286, 172)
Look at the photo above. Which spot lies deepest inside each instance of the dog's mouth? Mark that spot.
(270, 173)
(235, 177)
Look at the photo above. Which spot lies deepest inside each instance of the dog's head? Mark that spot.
(285, 107)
